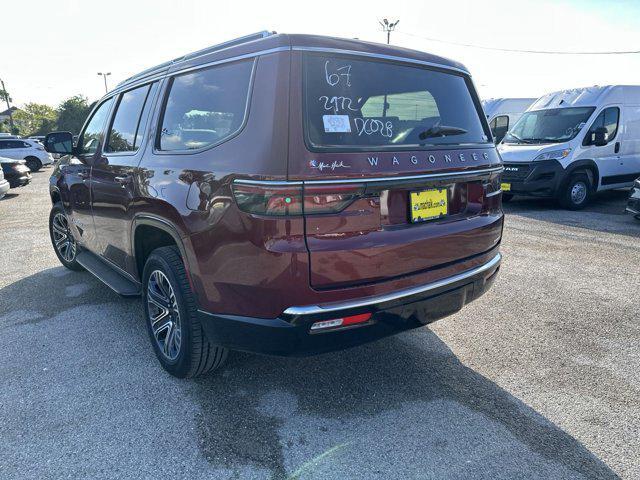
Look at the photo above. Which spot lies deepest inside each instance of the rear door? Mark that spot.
(113, 175)
(398, 173)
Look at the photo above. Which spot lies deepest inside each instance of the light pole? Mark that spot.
(104, 75)
(388, 27)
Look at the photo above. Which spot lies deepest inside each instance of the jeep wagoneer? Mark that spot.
(284, 195)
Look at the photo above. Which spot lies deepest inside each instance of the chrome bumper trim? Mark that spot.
(389, 297)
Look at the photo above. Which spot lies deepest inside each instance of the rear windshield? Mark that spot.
(363, 103)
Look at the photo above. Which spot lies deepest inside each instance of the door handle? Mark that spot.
(123, 180)
(616, 149)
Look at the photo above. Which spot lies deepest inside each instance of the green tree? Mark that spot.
(35, 119)
(72, 113)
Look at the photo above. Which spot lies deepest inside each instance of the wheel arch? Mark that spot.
(55, 195)
(149, 232)
(588, 166)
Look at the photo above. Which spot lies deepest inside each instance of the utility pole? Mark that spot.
(388, 27)
(7, 99)
(104, 75)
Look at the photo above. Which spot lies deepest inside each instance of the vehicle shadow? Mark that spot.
(607, 206)
(8, 196)
(398, 408)
(50, 292)
(402, 407)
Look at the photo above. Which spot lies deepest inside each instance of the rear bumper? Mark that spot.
(392, 313)
(539, 179)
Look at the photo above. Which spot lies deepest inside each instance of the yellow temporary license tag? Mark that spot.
(506, 187)
(429, 204)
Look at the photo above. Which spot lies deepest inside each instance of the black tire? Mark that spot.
(33, 163)
(194, 355)
(507, 197)
(577, 192)
(61, 237)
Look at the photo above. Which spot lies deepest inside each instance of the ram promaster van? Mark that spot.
(574, 143)
(503, 113)
(283, 194)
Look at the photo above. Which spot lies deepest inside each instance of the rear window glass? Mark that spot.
(205, 107)
(362, 103)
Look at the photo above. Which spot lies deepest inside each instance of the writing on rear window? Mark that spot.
(355, 103)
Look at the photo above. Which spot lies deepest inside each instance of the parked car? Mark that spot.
(31, 151)
(38, 138)
(633, 205)
(574, 143)
(15, 172)
(285, 195)
(504, 112)
(4, 184)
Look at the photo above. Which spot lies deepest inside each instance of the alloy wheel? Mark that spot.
(62, 238)
(164, 314)
(578, 193)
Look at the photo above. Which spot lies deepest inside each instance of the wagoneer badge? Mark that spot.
(431, 158)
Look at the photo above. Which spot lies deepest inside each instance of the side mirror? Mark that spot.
(599, 137)
(59, 142)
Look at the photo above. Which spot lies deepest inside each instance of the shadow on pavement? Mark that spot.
(260, 410)
(49, 292)
(403, 407)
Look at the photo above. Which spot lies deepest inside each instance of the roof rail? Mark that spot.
(163, 67)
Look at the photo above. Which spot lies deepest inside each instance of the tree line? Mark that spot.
(40, 119)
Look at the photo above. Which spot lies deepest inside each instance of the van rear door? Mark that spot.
(396, 166)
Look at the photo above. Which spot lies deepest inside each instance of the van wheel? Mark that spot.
(62, 239)
(176, 334)
(33, 163)
(577, 192)
(507, 197)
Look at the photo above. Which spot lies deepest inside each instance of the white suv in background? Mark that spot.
(24, 149)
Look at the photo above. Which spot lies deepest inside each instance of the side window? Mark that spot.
(607, 118)
(4, 145)
(26, 145)
(205, 107)
(499, 127)
(90, 138)
(125, 134)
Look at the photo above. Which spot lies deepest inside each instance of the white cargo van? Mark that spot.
(573, 143)
(503, 113)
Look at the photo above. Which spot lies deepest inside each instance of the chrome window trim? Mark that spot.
(493, 194)
(168, 74)
(389, 297)
(381, 56)
(426, 176)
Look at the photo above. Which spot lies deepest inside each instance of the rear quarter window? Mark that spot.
(205, 107)
(351, 103)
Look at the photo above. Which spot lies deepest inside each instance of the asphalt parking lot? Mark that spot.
(539, 378)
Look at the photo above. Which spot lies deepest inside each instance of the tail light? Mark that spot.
(492, 195)
(263, 200)
(330, 199)
(295, 200)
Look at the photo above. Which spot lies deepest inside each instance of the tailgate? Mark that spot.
(376, 237)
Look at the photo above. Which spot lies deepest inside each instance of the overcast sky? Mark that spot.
(54, 49)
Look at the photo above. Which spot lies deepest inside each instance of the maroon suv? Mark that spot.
(283, 194)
